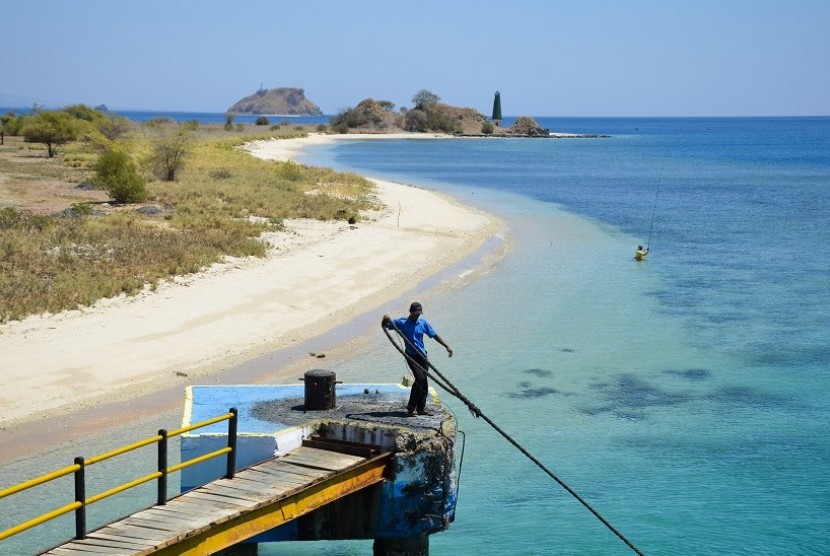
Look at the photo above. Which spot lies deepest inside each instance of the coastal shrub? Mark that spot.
(322, 128)
(342, 127)
(415, 120)
(289, 170)
(348, 118)
(9, 218)
(261, 120)
(220, 174)
(487, 128)
(81, 209)
(79, 160)
(83, 112)
(116, 174)
(276, 223)
(439, 120)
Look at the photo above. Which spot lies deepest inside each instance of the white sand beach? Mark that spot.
(319, 275)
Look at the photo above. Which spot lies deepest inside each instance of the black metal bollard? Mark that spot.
(319, 389)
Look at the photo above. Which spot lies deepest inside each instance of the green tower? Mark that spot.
(497, 107)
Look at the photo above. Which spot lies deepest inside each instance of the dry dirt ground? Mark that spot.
(32, 182)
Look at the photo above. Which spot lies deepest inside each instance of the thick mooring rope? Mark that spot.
(444, 383)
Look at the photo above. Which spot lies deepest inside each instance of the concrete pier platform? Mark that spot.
(419, 493)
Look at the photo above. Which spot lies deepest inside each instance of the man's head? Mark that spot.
(415, 309)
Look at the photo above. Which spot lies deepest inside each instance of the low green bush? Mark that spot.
(116, 174)
(289, 170)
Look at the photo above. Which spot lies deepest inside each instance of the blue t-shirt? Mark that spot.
(414, 332)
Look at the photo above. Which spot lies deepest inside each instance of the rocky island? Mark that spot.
(428, 115)
(282, 101)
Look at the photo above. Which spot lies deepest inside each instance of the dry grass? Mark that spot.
(64, 247)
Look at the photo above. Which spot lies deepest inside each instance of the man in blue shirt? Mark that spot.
(413, 329)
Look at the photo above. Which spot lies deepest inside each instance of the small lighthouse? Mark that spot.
(497, 108)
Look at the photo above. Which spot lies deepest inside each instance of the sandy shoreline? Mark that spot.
(319, 275)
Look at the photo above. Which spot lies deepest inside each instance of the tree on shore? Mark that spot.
(170, 148)
(52, 129)
(114, 127)
(424, 100)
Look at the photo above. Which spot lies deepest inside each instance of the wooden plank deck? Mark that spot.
(228, 511)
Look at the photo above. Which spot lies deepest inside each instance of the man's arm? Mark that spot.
(441, 341)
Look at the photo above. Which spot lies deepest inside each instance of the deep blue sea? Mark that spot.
(685, 396)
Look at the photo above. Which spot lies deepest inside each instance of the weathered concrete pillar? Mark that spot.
(319, 389)
(413, 546)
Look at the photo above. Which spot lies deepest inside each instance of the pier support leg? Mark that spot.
(413, 546)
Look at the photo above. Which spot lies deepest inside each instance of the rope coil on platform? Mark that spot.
(445, 384)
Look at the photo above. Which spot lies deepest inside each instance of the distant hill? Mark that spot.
(286, 101)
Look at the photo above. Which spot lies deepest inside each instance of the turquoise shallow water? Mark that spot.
(683, 397)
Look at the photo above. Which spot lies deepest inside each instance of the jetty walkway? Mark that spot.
(221, 513)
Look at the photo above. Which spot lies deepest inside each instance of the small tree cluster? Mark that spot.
(53, 129)
(433, 118)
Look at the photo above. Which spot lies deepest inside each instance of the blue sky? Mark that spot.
(547, 57)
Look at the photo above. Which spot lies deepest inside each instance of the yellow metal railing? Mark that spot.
(160, 475)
